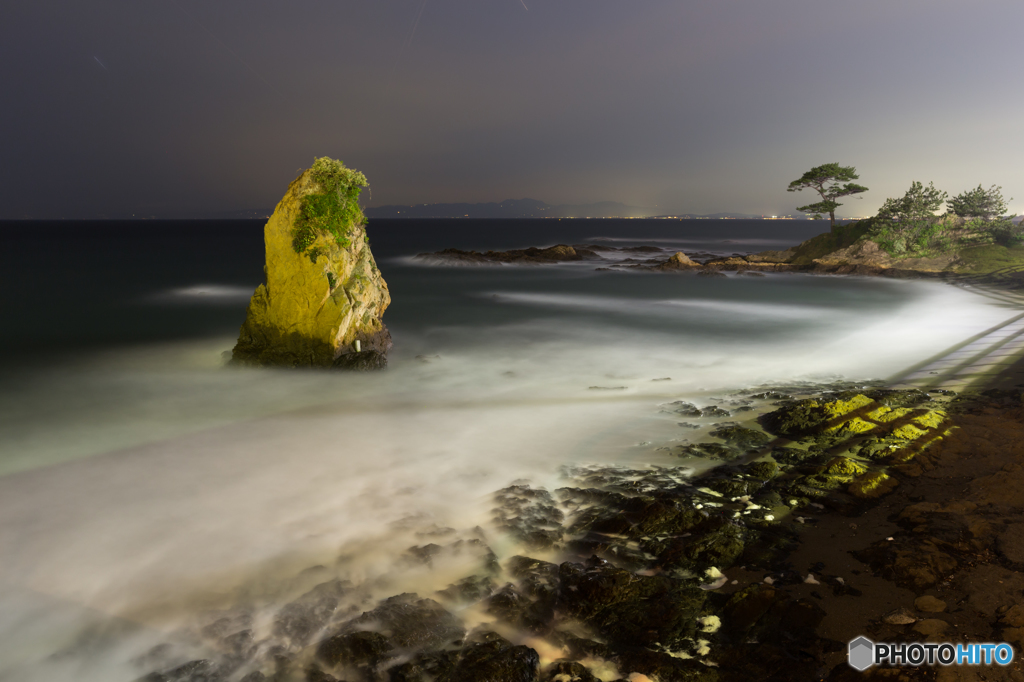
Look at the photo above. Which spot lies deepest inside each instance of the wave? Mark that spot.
(659, 240)
(202, 293)
(663, 307)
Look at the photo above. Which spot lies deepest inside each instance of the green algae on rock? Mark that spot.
(323, 298)
(872, 484)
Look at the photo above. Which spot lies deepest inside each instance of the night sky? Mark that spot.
(188, 108)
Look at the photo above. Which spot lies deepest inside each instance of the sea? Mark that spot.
(147, 486)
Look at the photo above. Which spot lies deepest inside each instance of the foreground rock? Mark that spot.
(324, 297)
(761, 569)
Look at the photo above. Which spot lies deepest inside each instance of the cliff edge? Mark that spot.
(324, 297)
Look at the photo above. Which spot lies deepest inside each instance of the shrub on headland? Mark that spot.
(908, 226)
(334, 209)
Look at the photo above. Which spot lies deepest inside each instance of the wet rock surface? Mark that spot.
(761, 568)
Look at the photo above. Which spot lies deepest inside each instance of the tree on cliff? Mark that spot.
(986, 204)
(827, 181)
(919, 204)
(984, 209)
(909, 224)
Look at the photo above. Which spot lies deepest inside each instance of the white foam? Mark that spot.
(202, 293)
(138, 484)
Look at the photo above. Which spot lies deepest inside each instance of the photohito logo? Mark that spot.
(862, 653)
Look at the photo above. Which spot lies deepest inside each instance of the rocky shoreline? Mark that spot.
(865, 261)
(833, 512)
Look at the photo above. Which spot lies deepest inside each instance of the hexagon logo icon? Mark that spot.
(861, 653)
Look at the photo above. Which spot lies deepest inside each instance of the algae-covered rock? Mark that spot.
(690, 410)
(629, 609)
(324, 296)
(763, 470)
(873, 484)
(844, 467)
(720, 546)
(495, 658)
(742, 437)
(707, 451)
(806, 417)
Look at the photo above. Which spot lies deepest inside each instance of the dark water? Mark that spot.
(69, 285)
(73, 283)
(143, 483)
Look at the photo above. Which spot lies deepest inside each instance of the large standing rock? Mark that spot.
(324, 296)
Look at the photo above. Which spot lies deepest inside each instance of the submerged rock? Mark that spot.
(201, 670)
(529, 515)
(410, 623)
(302, 618)
(356, 649)
(324, 296)
(690, 410)
(494, 658)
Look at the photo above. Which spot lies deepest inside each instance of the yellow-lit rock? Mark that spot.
(315, 305)
(873, 484)
(844, 467)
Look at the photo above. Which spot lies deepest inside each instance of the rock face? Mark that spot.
(323, 299)
(678, 261)
(772, 256)
(868, 253)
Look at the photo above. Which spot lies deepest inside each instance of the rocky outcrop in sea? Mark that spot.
(324, 297)
(843, 251)
(559, 253)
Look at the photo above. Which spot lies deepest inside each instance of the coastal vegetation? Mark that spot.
(333, 209)
(972, 235)
(909, 226)
(827, 181)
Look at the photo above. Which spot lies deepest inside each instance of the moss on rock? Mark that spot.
(763, 470)
(330, 208)
(844, 467)
(807, 417)
(872, 484)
